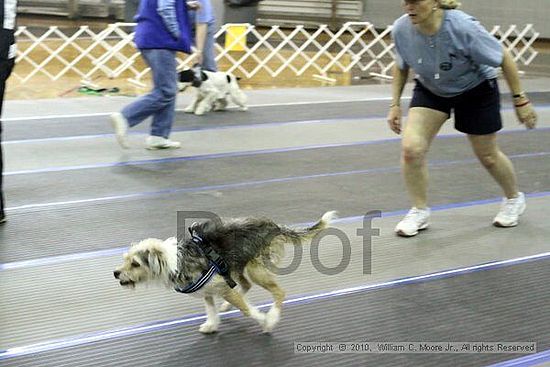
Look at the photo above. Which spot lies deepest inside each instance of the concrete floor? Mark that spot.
(75, 201)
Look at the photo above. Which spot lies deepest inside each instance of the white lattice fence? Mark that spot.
(519, 41)
(247, 51)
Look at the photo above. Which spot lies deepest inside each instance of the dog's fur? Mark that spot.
(214, 93)
(251, 247)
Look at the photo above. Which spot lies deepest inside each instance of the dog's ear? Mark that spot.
(144, 257)
(186, 76)
(153, 259)
(205, 227)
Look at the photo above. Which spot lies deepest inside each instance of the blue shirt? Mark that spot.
(152, 30)
(204, 15)
(167, 10)
(460, 56)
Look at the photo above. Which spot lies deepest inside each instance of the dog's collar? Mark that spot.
(199, 283)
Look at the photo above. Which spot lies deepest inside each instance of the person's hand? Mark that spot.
(193, 5)
(198, 56)
(394, 118)
(525, 112)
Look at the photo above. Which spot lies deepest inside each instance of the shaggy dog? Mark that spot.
(214, 92)
(250, 247)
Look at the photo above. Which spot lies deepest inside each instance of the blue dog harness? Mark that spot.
(217, 265)
(199, 283)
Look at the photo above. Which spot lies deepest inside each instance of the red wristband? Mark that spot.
(523, 104)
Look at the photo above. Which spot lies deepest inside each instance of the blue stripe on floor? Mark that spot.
(527, 361)
(194, 319)
(233, 154)
(237, 185)
(52, 260)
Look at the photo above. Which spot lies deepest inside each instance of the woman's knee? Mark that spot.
(488, 160)
(413, 151)
(486, 149)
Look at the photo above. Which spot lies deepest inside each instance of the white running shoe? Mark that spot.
(121, 128)
(158, 142)
(510, 210)
(415, 220)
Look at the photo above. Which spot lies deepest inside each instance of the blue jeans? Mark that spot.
(209, 52)
(161, 102)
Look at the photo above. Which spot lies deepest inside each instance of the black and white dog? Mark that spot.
(214, 93)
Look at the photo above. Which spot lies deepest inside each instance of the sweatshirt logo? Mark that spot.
(446, 66)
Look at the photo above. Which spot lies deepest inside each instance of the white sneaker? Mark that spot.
(158, 142)
(121, 128)
(510, 210)
(415, 220)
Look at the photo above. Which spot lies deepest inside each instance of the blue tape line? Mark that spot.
(116, 251)
(527, 361)
(436, 164)
(193, 319)
(233, 154)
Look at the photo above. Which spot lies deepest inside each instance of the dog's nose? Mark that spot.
(116, 273)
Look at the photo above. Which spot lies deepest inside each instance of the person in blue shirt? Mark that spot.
(203, 19)
(454, 59)
(162, 30)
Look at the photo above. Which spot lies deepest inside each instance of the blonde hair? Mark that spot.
(449, 4)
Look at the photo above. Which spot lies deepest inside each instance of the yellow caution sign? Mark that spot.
(235, 38)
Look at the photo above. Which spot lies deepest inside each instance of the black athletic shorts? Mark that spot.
(477, 111)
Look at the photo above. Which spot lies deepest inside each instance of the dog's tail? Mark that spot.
(285, 235)
(304, 235)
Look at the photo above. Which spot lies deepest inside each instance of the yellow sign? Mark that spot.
(235, 38)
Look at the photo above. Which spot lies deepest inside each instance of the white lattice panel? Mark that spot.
(355, 46)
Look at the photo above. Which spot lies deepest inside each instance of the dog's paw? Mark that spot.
(272, 318)
(199, 112)
(261, 319)
(219, 105)
(208, 327)
(243, 108)
(189, 109)
(225, 306)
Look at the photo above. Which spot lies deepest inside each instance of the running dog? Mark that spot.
(218, 252)
(214, 93)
